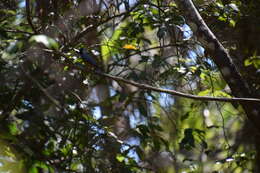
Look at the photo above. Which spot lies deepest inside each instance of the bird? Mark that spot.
(87, 57)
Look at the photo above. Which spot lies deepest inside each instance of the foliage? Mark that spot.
(61, 116)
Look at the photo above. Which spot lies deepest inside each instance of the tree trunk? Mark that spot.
(229, 71)
(222, 59)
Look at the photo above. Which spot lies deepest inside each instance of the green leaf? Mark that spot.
(248, 62)
(232, 23)
(253, 60)
(8, 12)
(42, 165)
(120, 157)
(185, 116)
(219, 93)
(204, 93)
(13, 129)
(221, 18)
(45, 40)
(66, 68)
(108, 45)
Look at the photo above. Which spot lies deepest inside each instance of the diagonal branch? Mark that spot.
(176, 93)
(219, 54)
(222, 59)
(45, 92)
(69, 62)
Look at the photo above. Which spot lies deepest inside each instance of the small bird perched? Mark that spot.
(87, 57)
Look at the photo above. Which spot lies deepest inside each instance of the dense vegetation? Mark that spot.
(169, 94)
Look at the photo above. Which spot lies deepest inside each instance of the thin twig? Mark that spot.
(69, 62)
(53, 100)
(28, 16)
(18, 31)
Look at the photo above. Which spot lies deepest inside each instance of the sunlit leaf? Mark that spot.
(205, 92)
(47, 41)
(120, 157)
(13, 129)
(109, 46)
(232, 23)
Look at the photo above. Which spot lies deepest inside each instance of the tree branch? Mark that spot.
(45, 92)
(219, 54)
(69, 62)
(28, 16)
(176, 93)
(222, 59)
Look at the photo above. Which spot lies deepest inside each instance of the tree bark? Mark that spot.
(229, 71)
(222, 59)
